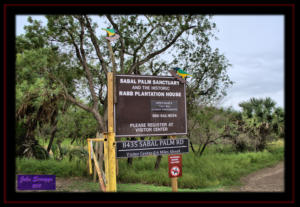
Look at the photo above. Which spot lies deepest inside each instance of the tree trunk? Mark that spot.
(199, 149)
(158, 158)
(142, 138)
(203, 148)
(192, 147)
(53, 131)
(157, 163)
(130, 159)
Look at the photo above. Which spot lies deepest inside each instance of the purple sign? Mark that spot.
(36, 182)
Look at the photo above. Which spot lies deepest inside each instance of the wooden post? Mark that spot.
(106, 161)
(112, 187)
(112, 56)
(174, 181)
(96, 153)
(101, 155)
(100, 151)
(102, 185)
(90, 160)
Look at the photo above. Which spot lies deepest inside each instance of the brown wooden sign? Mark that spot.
(149, 106)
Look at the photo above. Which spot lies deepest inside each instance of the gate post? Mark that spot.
(112, 181)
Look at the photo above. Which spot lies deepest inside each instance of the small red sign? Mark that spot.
(175, 165)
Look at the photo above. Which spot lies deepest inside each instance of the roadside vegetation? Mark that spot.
(213, 169)
(224, 146)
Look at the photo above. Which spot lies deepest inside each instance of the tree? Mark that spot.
(142, 40)
(38, 99)
(80, 125)
(83, 56)
(278, 122)
(261, 109)
(258, 123)
(206, 127)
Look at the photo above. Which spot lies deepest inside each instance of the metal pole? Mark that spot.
(112, 183)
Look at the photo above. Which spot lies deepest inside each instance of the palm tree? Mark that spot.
(278, 121)
(259, 109)
(269, 106)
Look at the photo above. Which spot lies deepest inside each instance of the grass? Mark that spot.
(153, 188)
(210, 170)
(89, 186)
(63, 168)
(65, 143)
(206, 173)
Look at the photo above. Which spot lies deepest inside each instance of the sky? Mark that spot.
(254, 46)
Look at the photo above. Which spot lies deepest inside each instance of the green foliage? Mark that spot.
(31, 148)
(213, 169)
(70, 39)
(40, 153)
(19, 137)
(38, 96)
(81, 125)
(259, 122)
(64, 58)
(55, 151)
(258, 111)
(80, 155)
(136, 187)
(63, 168)
(206, 126)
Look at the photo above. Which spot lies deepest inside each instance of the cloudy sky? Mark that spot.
(254, 45)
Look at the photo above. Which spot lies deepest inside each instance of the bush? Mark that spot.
(243, 143)
(40, 153)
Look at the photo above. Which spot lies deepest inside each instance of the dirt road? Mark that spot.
(269, 179)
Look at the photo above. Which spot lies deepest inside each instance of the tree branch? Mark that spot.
(86, 68)
(95, 44)
(74, 44)
(159, 51)
(144, 40)
(67, 96)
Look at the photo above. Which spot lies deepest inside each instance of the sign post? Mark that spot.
(174, 182)
(112, 180)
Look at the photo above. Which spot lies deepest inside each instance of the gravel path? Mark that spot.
(269, 179)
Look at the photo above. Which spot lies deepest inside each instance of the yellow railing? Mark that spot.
(103, 181)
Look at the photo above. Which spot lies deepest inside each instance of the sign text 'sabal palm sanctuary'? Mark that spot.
(149, 106)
